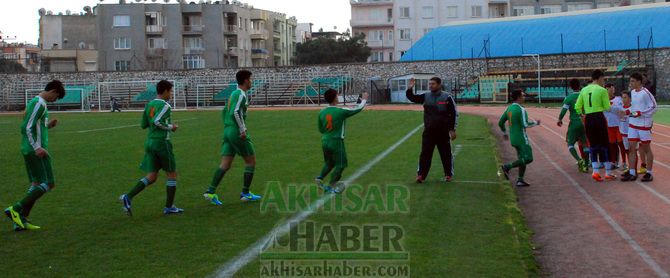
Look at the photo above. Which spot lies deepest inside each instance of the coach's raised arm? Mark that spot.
(440, 119)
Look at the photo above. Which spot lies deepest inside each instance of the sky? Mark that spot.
(20, 18)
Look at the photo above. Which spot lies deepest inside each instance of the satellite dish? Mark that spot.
(42, 12)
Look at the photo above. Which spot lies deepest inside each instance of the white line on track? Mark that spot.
(124, 126)
(248, 255)
(646, 187)
(625, 235)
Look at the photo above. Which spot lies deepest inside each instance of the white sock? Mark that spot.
(608, 168)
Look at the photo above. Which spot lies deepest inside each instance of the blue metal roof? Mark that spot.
(613, 29)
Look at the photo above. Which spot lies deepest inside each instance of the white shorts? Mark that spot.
(639, 134)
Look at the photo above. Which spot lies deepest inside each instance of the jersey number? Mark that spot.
(590, 101)
(152, 112)
(329, 122)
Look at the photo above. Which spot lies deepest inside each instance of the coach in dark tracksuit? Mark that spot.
(440, 120)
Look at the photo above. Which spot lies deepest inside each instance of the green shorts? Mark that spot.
(39, 169)
(234, 145)
(334, 153)
(576, 133)
(524, 153)
(158, 155)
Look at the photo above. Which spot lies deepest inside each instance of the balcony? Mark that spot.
(230, 29)
(155, 52)
(233, 51)
(259, 34)
(193, 29)
(276, 33)
(154, 29)
(381, 44)
(359, 23)
(371, 2)
(260, 53)
(193, 51)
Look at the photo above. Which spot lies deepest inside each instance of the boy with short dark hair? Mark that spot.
(518, 120)
(158, 154)
(34, 147)
(331, 123)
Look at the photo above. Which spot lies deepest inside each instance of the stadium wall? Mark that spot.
(12, 84)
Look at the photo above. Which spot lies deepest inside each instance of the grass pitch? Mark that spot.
(457, 229)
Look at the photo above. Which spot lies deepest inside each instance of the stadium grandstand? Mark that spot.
(602, 30)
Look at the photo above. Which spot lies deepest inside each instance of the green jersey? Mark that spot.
(569, 105)
(235, 113)
(34, 127)
(157, 118)
(517, 117)
(593, 99)
(332, 120)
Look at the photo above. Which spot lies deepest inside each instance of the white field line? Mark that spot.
(248, 255)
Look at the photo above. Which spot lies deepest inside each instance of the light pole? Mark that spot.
(539, 74)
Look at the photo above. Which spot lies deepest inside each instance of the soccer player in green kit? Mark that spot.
(576, 131)
(236, 141)
(158, 152)
(331, 123)
(517, 117)
(35, 150)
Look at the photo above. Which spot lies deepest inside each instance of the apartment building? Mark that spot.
(68, 42)
(173, 36)
(392, 26)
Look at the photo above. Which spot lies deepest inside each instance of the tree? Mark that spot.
(346, 49)
(11, 66)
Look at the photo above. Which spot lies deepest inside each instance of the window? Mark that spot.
(428, 12)
(405, 34)
(391, 56)
(523, 10)
(476, 11)
(156, 43)
(579, 7)
(390, 36)
(121, 21)
(122, 43)
(452, 11)
(376, 15)
(402, 85)
(193, 43)
(152, 19)
(427, 30)
(550, 9)
(194, 62)
(394, 85)
(377, 56)
(389, 15)
(122, 65)
(404, 12)
(376, 35)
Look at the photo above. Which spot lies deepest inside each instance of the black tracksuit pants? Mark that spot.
(441, 140)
